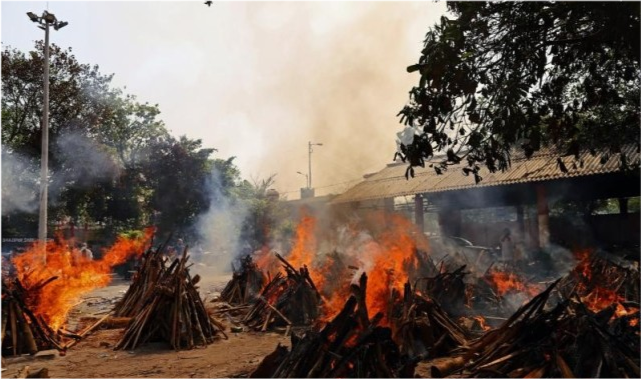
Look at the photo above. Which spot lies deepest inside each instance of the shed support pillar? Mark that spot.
(543, 213)
(419, 217)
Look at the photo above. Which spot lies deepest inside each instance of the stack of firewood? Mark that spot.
(351, 345)
(447, 288)
(152, 267)
(598, 272)
(22, 331)
(565, 341)
(244, 284)
(171, 311)
(287, 300)
(423, 329)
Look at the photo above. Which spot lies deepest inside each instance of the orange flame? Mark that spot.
(505, 282)
(388, 258)
(76, 274)
(482, 323)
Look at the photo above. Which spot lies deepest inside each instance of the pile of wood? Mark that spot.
(601, 272)
(286, 300)
(152, 267)
(566, 340)
(423, 329)
(22, 331)
(352, 345)
(172, 311)
(244, 284)
(447, 288)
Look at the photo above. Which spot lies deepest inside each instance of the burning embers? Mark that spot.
(601, 283)
(564, 340)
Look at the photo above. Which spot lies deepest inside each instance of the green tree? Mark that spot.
(177, 176)
(501, 74)
(76, 102)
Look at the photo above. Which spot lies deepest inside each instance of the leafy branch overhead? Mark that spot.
(506, 75)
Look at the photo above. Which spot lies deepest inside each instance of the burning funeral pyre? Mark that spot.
(350, 345)
(449, 315)
(166, 306)
(422, 328)
(290, 299)
(542, 340)
(47, 282)
(24, 331)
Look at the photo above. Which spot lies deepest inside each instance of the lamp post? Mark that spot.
(309, 160)
(306, 178)
(45, 21)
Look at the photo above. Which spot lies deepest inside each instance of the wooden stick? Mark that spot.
(5, 316)
(276, 310)
(14, 327)
(85, 332)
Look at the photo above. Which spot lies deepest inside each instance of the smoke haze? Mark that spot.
(20, 183)
(219, 230)
(258, 80)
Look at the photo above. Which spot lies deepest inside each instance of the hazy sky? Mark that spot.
(257, 80)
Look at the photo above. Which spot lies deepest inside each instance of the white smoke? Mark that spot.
(20, 183)
(219, 230)
(84, 162)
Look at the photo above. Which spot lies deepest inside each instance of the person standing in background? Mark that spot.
(507, 246)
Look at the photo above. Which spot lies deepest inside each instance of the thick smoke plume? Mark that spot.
(20, 183)
(219, 230)
(337, 77)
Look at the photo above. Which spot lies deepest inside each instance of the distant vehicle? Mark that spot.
(464, 246)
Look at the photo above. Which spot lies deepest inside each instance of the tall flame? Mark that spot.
(387, 257)
(394, 256)
(76, 275)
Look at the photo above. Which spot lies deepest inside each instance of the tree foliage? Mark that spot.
(111, 158)
(525, 74)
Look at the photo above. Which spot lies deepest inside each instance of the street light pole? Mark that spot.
(309, 160)
(44, 160)
(45, 21)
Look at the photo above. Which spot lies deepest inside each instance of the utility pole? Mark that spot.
(45, 21)
(309, 160)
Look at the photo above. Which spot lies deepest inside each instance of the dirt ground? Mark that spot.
(94, 357)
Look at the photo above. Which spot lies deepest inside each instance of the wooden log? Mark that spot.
(14, 326)
(447, 366)
(282, 316)
(5, 317)
(86, 331)
(27, 334)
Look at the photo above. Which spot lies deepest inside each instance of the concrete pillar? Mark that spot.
(520, 223)
(623, 205)
(543, 213)
(419, 217)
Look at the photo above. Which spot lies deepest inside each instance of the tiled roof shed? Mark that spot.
(390, 182)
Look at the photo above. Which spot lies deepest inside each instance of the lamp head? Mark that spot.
(60, 25)
(32, 16)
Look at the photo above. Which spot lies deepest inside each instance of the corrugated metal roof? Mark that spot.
(391, 182)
